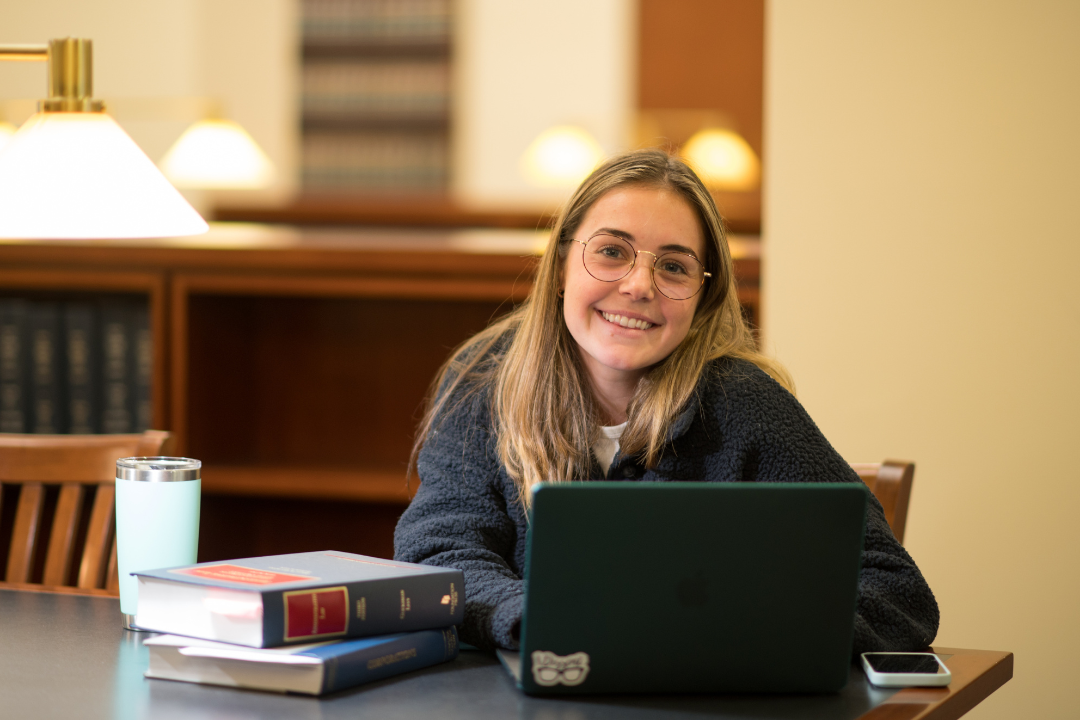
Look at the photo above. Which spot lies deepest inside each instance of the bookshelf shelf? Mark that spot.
(375, 47)
(368, 485)
(352, 122)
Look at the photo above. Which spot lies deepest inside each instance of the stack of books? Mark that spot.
(308, 623)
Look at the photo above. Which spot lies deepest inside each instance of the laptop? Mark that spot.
(690, 587)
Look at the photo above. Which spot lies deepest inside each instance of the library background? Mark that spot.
(293, 358)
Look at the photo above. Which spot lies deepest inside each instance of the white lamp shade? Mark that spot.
(6, 131)
(723, 159)
(75, 175)
(561, 157)
(217, 154)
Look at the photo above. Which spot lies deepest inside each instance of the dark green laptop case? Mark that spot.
(691, 587)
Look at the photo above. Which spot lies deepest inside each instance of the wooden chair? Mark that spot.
(74, 463)
(890, 481)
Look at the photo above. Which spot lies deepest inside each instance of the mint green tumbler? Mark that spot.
(157, 520)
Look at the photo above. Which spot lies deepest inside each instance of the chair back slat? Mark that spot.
(890, 481)
(99, 535)
(25, 536)
(62, 537)
(71, 462)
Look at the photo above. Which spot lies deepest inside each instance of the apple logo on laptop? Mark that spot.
(693, 591)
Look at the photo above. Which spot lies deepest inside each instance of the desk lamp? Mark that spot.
(216, 153)
(70, 172)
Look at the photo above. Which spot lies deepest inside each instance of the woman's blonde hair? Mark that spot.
(545, 417)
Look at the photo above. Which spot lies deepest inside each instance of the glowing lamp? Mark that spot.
(217, 154)
(70, 172)
(561, 157)
(723, 159)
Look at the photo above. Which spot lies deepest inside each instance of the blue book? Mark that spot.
(298, 598)
(312, 669)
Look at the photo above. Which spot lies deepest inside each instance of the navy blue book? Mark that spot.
(14, 366)
(117, 373)
(142, 367)
(312, 669)
(298, 598)
(81, 367)
(47, 414)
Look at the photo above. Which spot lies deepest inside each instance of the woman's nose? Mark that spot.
(638, 283)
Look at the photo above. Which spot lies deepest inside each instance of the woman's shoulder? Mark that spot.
(735, 373)
(731, 383)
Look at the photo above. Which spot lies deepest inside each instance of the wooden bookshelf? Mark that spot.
(294, 363)
(375, 100)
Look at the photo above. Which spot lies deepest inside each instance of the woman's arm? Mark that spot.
(896, 609)
(459, 518)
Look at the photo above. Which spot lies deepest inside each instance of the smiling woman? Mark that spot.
(630, 360)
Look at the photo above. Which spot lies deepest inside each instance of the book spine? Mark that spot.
(364, 609)
(412, 651)
(82, 367)
(46, 377)
(116, 371)
(142, 366)
(14, 375)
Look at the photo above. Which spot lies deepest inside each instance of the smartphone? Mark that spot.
(897, 669)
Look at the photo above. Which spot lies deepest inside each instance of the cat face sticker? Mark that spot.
(549, 669)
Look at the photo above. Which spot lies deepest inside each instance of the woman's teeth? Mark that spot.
(626, 322)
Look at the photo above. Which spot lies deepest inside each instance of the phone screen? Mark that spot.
(904, 663)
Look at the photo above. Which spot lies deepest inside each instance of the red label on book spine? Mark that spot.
(241, 574)
(316, 613)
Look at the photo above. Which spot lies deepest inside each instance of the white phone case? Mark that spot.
(891, 679)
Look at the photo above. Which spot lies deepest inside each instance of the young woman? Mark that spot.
(630, 360)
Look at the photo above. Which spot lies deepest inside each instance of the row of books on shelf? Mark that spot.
(80, 366)
(376, 19)
(309, 623)
(375, 161)
(379, 88)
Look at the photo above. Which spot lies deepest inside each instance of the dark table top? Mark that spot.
(66, 656)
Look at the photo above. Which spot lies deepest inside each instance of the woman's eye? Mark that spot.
(612, 251)
(673, 267)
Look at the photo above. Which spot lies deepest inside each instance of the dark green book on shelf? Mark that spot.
(117, 372)
(47, 415)
(14, 366)
(82, 367)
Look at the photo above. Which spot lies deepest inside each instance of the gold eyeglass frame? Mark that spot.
(652, 268)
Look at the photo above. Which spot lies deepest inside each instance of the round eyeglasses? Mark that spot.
(678, 276)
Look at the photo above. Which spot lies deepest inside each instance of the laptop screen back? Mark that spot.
(691, 587)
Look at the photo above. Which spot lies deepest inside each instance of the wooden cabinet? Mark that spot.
(294, 364)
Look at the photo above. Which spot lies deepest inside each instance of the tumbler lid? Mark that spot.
(158, 469)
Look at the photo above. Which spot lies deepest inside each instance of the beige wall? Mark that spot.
(921, 282)
(522, 67)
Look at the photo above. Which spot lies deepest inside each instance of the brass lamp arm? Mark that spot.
(24, 52)
(71, 81)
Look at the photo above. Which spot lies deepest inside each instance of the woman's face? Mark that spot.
(624, 327)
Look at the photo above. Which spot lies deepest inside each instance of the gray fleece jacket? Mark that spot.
(741, 426)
